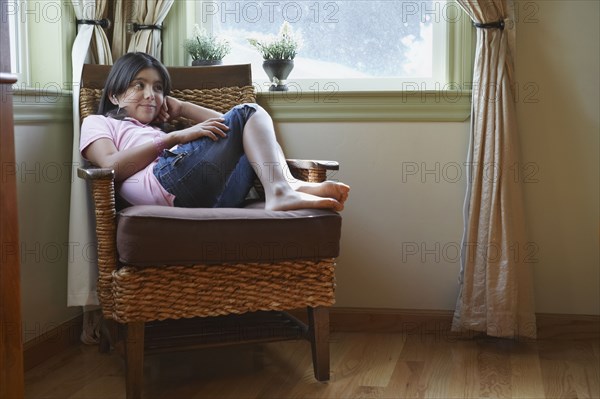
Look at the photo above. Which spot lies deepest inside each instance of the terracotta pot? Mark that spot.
(278, 71)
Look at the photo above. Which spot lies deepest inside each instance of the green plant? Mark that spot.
(284, 46)
(203, 46)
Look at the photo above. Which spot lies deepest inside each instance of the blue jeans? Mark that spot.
(210, 174)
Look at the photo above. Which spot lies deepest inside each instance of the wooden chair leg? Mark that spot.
(134, 360)
(318, 324)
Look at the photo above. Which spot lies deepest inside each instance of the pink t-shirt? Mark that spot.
(142, 188)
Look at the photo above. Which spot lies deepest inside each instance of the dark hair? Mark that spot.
(122, 74)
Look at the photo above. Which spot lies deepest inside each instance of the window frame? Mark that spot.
(451, 103)
(18, 32)
(42, 81)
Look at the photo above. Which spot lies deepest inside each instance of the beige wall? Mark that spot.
(403, 223)
(43, 134)
(558, 55)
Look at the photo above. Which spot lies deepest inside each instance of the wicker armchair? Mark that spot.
(210, 292)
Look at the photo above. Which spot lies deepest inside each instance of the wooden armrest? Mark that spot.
(93, 173)
(311, 170)
(313, 164)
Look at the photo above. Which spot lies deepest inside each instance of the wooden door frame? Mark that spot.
(11, 339)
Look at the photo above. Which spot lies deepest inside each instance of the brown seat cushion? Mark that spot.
(159, 235)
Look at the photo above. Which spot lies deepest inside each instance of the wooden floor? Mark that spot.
(363, 366)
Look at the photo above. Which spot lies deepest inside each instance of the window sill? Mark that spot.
(32, 106)
(364, 106)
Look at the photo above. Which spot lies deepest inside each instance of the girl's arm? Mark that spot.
(174, 108)
(126, 163)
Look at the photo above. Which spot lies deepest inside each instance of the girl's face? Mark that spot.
(144, 97)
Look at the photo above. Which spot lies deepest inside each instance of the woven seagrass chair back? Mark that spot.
(220, 89)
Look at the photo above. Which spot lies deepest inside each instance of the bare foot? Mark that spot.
(327, 189)
(290, 199)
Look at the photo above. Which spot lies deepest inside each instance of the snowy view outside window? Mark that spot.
(352, 39)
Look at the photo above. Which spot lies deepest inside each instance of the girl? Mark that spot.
(210, 164)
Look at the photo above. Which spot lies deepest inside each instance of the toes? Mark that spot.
(336, 205)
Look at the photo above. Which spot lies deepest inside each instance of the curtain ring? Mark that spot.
(103, 23)
(490, 25)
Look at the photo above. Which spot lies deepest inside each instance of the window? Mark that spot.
(375, 45)
(17, 28)
(369, 87)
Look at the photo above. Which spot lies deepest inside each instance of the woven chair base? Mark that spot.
(175, 292)
(205, 332)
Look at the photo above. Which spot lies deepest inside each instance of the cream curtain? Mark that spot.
(496, 288)
(90, 46)
(122, 14)
(149, 12)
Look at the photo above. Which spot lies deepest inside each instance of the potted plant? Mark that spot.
(278, 54)
(206, 49)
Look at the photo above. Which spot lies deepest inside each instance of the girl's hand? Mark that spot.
(171, 108)
(213, 128)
